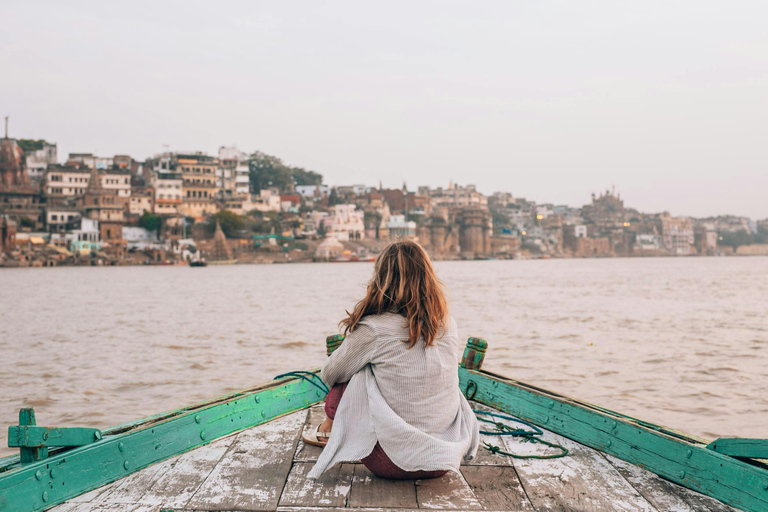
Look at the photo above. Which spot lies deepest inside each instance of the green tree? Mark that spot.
(269, 171)
(304, 177)
(230, 222)
(734, 239)
(149, 221)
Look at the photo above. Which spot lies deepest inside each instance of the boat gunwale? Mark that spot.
(717, 475)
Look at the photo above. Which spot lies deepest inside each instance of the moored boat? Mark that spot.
(189, 459)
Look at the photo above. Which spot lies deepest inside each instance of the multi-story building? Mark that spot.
(64, 181)
(345, 223)
(117, 180)
(199, 187)
(677, 234)
(142, 200)
(400, 228)
(62, 218)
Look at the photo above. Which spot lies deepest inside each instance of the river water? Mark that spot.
(678, 341)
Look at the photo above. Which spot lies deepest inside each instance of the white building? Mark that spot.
(119, 181)
(39, 160)
(580, 231)
(169, 192)
(400, 228)
(268, 200)
(346, 223)
(63, 181)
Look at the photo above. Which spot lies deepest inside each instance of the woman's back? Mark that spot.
(418, 383)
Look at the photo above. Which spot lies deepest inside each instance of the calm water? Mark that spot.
(681, 341)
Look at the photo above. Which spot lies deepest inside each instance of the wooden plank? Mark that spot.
(497, 487)
(251, 475)
(666, 495)
(369, 509)
(741, 447)
(175, 487)
(655, 448)
(307, 452)
(449, 492)
(115, 456)
(370, 491)
(330, 490)
(582, 480)
(32, 436)
(131, 488)
(484, 457)
(661, 493)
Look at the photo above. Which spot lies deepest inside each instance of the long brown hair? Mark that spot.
(404, 282)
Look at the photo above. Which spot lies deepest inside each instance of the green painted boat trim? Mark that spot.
(741, 447)
(66, 473)
(668, 453)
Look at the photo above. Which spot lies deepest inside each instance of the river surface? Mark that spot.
(678, 341)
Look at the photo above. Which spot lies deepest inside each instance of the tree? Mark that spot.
(230, 222)
(269, 171)
(304, 177)
(149, 221)
(734, 239)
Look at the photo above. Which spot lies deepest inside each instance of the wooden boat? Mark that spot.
(197, 263)
(242, 451)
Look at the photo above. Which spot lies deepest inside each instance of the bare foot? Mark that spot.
(326, 425)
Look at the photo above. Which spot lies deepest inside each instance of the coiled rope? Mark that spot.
(502, 429)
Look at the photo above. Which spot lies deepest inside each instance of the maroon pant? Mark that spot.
(377, 462)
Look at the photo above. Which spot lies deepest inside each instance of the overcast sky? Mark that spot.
(551, 101)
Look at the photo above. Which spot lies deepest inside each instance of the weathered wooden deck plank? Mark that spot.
(371, 491)
(252, 473)
(659, 492)
(306, 452)
(367, 509)
(449, 492)
(330, 490)
(175, 487)
(583, 480)
(497, 487)
(484, 457)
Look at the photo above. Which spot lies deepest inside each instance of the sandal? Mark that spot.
(316, 438)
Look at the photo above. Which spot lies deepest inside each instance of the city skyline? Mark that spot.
(552, 104)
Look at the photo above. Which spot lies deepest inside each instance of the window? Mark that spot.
(54, 217)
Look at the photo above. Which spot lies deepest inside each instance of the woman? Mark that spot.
(395, 401)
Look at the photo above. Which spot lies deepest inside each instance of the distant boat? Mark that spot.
(197, 263)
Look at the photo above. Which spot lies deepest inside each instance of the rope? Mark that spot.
(310, 377)
(502, 429)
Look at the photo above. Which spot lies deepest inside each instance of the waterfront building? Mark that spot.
(7, 234)
(290, 203)
(268, 200)
(475, 230)
(66, 181)
(39, 156)
(199, 187)
(350, 190)
(19, 198)
(677, 234)
(400, 228)
(142, 200)
(345, 223)
(328, 249)
(62, 218)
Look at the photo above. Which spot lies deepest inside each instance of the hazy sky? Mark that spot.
(668, 101)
